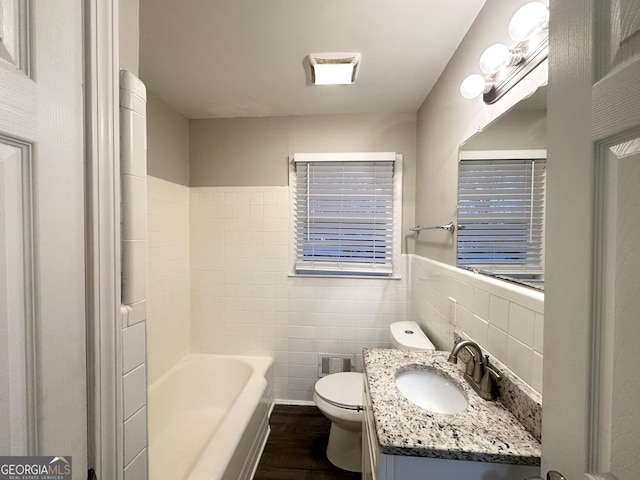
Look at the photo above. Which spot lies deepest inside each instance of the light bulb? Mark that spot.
(529, 18)
(494, 58)
(474, 85)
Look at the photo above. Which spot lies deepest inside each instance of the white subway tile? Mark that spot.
(303, 371)
(479, 330)
(464, 319)
(303, 358)
(521, 324)
(481, 303)
(269, 197)
(462, 293)
(519, 359)
(135, 435)
(497, 343)
(133, 347)
(302, 345)
(256, 198)
(499, 312)
(134, 391)
(137, 469)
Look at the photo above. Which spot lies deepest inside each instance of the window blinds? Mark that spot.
(501, 211)
(344, 216)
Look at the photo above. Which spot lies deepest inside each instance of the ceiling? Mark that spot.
(246, 58)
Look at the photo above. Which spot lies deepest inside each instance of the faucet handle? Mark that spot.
(471, 365)
(489, 380)
(478, 371)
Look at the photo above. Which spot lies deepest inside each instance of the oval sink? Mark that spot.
(431, 391)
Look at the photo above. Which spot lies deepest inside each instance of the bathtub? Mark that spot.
(209, 418)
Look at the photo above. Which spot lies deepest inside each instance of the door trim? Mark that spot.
(104, 359)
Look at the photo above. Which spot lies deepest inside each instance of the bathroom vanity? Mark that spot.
(402, 441)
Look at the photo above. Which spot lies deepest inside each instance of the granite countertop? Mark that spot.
(485, 432)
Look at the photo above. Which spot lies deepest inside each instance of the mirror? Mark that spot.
(501, 195)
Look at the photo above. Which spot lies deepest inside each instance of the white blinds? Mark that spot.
(501, 212)
(344, 216)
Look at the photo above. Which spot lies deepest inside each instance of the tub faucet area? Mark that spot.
(479, 374)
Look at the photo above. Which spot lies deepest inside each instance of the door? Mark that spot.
(42, 232)
(591, 411)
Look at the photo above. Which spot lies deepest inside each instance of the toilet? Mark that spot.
(339, 398)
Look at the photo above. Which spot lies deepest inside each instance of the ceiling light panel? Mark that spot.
(339, 68)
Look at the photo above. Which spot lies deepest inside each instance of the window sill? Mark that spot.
(326, 275)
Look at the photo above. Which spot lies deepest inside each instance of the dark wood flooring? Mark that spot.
(296, 447)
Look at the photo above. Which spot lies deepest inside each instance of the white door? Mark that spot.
(591, 410)
(42, 232)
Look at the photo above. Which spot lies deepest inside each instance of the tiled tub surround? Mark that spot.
(485, 432)
(168, 282)
(506, 320)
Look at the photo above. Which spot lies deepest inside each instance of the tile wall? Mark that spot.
(220, 257)
(505, 319)
(168, 288)
(243, 300)
(134, 309)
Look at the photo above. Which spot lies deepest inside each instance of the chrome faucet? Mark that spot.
(479, 374)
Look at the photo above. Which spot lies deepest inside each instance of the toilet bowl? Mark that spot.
(339, 398)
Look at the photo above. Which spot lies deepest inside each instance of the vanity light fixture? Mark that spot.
(504, 67)
(334, 68)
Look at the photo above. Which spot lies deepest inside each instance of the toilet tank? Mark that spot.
(408, 335)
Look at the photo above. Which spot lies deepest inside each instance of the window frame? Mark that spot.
(343, 157)
(515, 272)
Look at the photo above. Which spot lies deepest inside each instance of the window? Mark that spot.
(501, 213)
(346, 210)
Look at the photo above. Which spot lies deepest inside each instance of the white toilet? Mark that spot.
(339, 398)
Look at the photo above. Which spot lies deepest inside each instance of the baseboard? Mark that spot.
(300, 403)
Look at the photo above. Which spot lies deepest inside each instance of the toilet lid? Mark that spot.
(342, 389)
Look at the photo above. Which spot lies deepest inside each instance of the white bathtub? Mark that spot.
(209, 418)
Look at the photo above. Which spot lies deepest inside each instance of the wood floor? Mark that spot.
(296, 447)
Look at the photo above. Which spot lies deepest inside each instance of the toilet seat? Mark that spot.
(342, 390)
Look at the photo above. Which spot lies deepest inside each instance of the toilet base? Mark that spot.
(344, 449)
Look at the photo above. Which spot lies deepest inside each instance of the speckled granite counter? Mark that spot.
(484, 432)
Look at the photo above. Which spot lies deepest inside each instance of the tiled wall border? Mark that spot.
(507, 320)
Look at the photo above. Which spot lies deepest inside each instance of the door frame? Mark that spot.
(104, 359)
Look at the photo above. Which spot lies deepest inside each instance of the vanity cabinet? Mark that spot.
(380, 466)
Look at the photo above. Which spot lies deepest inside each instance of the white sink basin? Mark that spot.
(431, 391)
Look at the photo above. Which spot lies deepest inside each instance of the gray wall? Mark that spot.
(254, 151)
(129, 32)
(514, 131)
(167, 142)
(446, 119)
